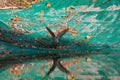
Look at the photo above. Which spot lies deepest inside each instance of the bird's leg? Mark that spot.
(56, 63)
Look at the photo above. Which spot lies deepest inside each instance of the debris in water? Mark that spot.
(70, 77)
(74, 12)
(88, 59)
(16, 18)
(41, 19)
(67, 64)
(72, 7)
(49, 78)
(48, 4)
(17, 69)
(72, 31)
(69, 8)
(68, 15)
(42, 11)
(88, 36)
(77, 21)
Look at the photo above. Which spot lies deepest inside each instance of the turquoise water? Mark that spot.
(101, 19)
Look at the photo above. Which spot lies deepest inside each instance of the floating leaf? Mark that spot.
(16, 69)
(48, 4)
(16, 18)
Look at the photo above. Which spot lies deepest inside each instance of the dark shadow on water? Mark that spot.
(7, 61)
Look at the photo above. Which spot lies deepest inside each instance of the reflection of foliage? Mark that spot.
(21, 3)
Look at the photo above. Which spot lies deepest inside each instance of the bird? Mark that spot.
(56, 38)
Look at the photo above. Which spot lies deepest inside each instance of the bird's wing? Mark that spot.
(51, 33)
(61, 34)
